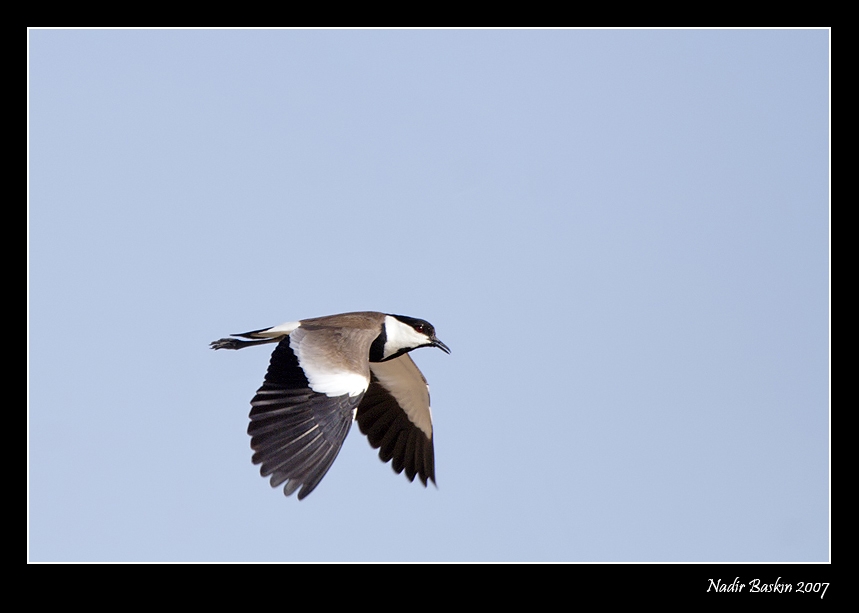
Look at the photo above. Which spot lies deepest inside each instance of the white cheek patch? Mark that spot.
(324, 380)
(401, 336)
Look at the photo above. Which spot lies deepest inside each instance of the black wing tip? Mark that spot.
(400, 465)
(290, 485)
(424, 479)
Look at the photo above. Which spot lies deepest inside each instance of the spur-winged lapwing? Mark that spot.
(327, 371)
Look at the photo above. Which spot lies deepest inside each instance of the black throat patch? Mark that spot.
(377, 349)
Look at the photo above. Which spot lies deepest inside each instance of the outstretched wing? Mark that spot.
(395, 415)
(296, 433)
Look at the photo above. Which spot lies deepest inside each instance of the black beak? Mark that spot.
(440, 345)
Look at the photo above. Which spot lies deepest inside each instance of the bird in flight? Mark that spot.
(328, 371)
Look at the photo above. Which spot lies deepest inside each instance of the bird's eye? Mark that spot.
(421, 328)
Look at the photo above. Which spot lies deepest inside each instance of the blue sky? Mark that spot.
(623, 236)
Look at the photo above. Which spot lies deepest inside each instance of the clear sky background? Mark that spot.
(623, 236)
